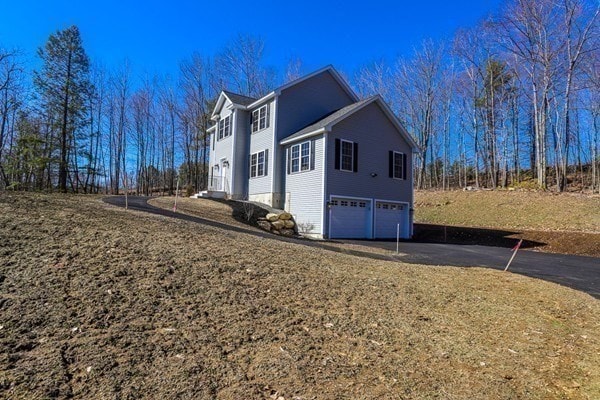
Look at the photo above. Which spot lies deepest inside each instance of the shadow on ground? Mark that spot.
(428, 233)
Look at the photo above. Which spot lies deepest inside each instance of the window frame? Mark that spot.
(224, 128)
(255, 164)
(401, 157)
(257, 118)
(303, 161)
(342, 141)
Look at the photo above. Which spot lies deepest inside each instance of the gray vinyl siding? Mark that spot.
(240, 170)
(305, 190)
(376, 136)
(223, 148)
(259, 141)
(309, 101)
(304, 104)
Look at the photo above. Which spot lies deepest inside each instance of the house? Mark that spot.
(340, 165)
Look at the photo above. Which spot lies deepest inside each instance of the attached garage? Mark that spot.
(350, 218)
(388, 215)
(357, 218)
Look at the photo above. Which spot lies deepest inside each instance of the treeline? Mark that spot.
(83, 128)
(514, 101)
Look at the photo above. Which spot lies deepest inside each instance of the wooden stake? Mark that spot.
(515, 249)
(176, 194)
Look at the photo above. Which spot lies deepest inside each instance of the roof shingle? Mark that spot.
(239, 98)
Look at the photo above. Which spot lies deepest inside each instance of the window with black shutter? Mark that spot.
(397, 165)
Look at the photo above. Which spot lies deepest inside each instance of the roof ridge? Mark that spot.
(238, 94)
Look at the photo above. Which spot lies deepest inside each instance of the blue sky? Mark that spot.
(155, 35)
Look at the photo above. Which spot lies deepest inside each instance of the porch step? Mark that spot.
(212, 194)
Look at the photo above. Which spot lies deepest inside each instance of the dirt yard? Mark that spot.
(102, 303)
(563, 223)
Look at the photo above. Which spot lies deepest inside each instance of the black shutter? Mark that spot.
(355, 157)
(266, 162)
(289, 160)
(312, 154)
(391, 165)
(404, 166)
(337, 153)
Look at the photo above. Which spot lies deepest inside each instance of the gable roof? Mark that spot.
(325, 124)
(235, 98)
(239, 98)
(329, 68)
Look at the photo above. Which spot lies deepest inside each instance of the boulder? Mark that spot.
(285, 216)
(272, 217)
(287, 232)
(278, 225)
(289, 223)
(266, 225)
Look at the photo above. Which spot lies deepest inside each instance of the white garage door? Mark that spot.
(387, 217)
(350, 218)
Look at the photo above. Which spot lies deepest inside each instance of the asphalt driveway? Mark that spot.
(577, 272)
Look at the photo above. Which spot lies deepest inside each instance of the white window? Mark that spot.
(258, 164)
(260, 118)
(347, 156)
(300, 157)
(398, 166)
(224, 127)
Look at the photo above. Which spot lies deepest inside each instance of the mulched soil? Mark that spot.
(104, 303)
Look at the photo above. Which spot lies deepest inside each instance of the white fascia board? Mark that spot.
(261, 100)
(333, 72)
(218, 106)
(212, 128)
(306, 135)
(234, 106)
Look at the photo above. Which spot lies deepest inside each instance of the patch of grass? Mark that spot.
(509, 210)
(100, 302)
(224, 211)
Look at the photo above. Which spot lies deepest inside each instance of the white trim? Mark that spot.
(386, 110)
(232, 124)
(407, 211)
(223, 119)
(288, 85)
(267, 118)
(257, 164)
(273, 163)
(324, 201)
(333, 72)
(401, 164)
(290, 161)
(342, 155)
(304, 136)
(370, 200)
(261, 100)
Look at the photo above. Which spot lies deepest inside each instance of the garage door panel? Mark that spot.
(387, 217)
(350, 218)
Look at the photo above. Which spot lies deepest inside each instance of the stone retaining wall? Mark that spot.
(278, 223)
